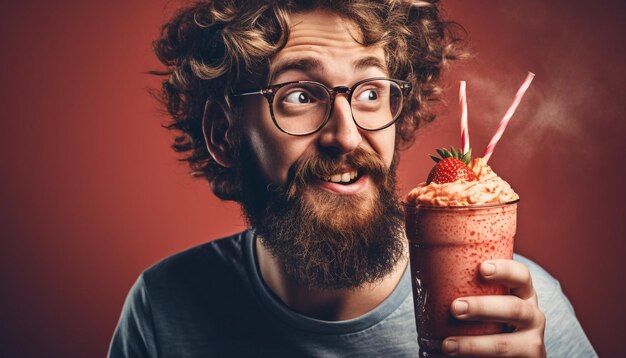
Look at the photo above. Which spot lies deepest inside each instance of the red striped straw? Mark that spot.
(507, 116)
(465, 143)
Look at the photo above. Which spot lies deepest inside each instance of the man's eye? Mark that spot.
(368, 95)
(297, 97)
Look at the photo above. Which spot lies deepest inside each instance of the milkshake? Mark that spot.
(462, 216)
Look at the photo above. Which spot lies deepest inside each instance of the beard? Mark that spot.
(324, 240)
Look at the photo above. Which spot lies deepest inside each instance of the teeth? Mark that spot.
(341, 177)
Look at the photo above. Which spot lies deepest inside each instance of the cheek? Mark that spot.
(383, 142)
(274, 150)
(275, 157)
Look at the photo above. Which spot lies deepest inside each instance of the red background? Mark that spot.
(91, 194)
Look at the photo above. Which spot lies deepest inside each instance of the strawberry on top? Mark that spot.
(451, 166)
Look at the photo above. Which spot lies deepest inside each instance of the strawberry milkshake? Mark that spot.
(461, 216)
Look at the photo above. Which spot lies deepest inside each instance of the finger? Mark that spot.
(527, 344)
(506, 309)
(511, 274)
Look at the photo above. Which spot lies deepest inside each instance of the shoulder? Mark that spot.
(227, 251)
(205, 266)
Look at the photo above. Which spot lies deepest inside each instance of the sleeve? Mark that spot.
(134, 334)
(564, 336)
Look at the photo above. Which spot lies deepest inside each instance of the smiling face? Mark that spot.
(323, 204)
(322, 48)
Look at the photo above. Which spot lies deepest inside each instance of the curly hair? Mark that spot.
(208, 46)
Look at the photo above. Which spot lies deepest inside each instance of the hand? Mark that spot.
(519, 310)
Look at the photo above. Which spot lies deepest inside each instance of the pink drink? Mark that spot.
(446, 246)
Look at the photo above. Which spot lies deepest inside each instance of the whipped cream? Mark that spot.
(488, 189)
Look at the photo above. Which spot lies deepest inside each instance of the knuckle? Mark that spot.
(465, 346)
(541, 319)
(478, 307)
(520, 310)
(502, 347)
(521, 272)
(525, 275)
(503, 268)
(468, 347)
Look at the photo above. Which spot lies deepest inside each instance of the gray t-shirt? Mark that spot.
(211, 301)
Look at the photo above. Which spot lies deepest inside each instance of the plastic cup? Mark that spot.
(446, 247)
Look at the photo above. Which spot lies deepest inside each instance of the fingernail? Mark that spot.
(488, 268)
(460, 307)
(450, 346)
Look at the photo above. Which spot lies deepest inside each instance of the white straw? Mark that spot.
(507, 116)
(465, 143)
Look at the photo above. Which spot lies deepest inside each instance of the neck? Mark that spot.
(328, 305)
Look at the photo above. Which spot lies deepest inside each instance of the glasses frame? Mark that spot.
(269, 92)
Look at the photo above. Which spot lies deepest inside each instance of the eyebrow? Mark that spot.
(367, 62)
(310, 64)
(307, 64)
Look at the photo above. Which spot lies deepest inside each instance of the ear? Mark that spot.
(215, 132)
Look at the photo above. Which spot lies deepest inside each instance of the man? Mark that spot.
(297, 111)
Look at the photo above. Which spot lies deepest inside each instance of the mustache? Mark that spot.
(310, 168)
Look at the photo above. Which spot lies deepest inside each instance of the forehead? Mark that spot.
(321, 43)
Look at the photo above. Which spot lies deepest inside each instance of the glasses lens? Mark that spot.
(376, 103)
(300, 108)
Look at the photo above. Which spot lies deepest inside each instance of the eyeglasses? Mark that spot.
(301, 108)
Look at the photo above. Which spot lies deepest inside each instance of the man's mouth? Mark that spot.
(344, 178)
(345, 182)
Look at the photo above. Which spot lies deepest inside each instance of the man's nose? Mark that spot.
(341, 134)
